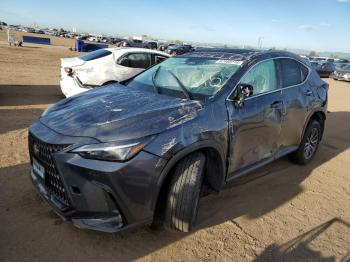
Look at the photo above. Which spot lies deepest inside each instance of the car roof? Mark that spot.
(240, 54)
(221, 53)
(124, 50)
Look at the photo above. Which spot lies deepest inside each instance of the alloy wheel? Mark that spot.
(311, 143)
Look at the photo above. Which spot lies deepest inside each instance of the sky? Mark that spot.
(320, 25)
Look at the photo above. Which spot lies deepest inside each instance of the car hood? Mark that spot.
(116, 112)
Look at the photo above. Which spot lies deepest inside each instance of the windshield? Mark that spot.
(201, 77)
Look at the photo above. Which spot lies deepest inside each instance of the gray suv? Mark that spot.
(125, 154)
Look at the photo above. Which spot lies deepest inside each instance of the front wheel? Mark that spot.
(182, 201)
(309, 144)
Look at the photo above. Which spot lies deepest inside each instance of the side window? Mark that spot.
(262, 77)
(292, 72)
(140, 60)
(159, 58)
(136, 60)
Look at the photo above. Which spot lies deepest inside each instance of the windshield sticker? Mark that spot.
(230, 62)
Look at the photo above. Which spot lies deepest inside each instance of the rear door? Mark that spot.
(255, 128)
(297, 99)
(132, 64)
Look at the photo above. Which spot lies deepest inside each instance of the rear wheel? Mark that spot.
(183, 197)
(309, 144)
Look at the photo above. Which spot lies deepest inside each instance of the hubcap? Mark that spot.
(311, 143)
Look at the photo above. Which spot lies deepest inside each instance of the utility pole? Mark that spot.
(260, 42)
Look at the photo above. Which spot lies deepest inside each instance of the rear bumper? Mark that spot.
(70, 86)
(103, 196)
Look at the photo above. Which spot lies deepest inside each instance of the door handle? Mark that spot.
(276, 104)
(308, 93)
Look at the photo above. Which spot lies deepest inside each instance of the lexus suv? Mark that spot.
(130, 153)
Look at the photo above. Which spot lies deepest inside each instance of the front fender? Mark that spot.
(168, 164)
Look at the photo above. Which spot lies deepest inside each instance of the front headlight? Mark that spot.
(109, 151)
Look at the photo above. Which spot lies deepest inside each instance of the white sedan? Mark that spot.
(104, 66)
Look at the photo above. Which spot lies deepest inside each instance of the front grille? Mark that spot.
(43, 153)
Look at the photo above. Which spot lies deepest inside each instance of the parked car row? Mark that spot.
(100, 39)
(341, 73)
(179, 49)
(46, 31)
(138, 43)
(168, 48)
(338, 70)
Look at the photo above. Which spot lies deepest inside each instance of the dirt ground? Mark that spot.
(285, 213)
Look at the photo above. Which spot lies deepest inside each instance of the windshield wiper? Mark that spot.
(156, 88)
(183, 88)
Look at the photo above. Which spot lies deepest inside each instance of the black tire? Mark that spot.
(309, 144)
(184, 191)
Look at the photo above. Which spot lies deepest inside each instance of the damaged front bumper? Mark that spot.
(111, 223)
(94, 194)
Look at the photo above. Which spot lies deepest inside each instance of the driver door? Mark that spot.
(255, 127)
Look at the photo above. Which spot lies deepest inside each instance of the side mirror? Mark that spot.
(242, 92)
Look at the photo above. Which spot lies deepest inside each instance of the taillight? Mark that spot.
(68, 70)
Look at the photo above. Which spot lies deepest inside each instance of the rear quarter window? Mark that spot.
(304, 72)
(292, 72)
(95, 55)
